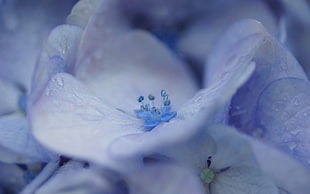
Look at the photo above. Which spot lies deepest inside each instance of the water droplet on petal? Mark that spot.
(292, 146)
(307, 113)
(294, 132)
(48, 92)
(284, 66)
(59, 81)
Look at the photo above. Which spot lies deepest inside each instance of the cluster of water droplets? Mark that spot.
(152, 114)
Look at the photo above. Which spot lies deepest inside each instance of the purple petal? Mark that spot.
(299, 9)
(68, 119)
(272, 59)
(11, 180)
(283, 111)
(136, 64)
(15, 136)
(199, 38)
(159, 13)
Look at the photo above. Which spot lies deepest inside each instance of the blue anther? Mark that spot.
(151, 97)
(140, 98)
(167, 102)
(163, 93)
(153, 115)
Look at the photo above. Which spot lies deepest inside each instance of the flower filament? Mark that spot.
(153, 115)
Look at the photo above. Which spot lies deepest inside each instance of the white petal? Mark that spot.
(82, 11)
(68, 119)
(137, 64)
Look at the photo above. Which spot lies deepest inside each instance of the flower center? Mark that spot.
(154, 115)
(207, 175)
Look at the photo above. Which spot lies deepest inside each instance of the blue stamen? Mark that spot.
(153, 115)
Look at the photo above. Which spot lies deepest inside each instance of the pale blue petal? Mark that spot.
(15, 136)
(107, 22)
(136, 64)
(68, 119)
(283, 112)
(288, 174)
(273, 61)
(244, 175)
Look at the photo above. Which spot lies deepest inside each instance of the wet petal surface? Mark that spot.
(283, 112)
(68, 119)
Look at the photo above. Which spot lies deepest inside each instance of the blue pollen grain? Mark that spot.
(153, 115)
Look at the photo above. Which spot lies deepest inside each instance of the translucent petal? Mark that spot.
(82, 11)
(58, 55)
(272, 59)
(136, 64)
(283, 112)
(107, 22)
(68, 119)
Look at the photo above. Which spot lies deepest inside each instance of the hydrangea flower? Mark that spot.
(68, 118)
(83, 116)
(106, 90)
